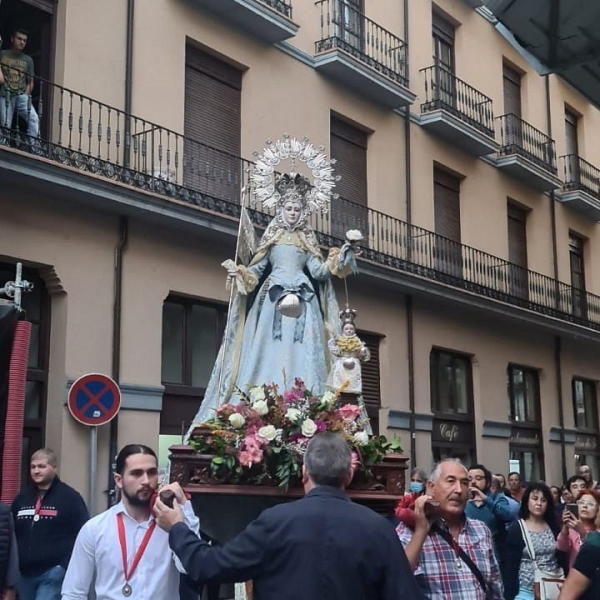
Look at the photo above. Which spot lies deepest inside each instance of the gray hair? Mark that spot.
(437, 468)
(327, 459)
(420, 473)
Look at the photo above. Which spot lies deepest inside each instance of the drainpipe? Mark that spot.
(116, 348)
(128, 79)
(557, 340)
(409, 299)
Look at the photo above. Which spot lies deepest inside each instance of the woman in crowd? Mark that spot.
(405, 510)
(583, 582)
(576, 528)
(536, 516)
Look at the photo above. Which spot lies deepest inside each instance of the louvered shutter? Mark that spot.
(371, 378)
(212, 125)
(349, 149)
(446, 197)
(511, 80)
(517, 251)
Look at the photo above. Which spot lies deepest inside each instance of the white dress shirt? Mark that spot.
(97, 558)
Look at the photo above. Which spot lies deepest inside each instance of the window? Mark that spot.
(511, 84)
(37, 308)
(348, 17)
(517, 251)
(371, 379)
(525, 441)
(446, 201)
(212, 125)
(443, 59)
(578, 297)
(191, 336)
(585, 416)
(349, 148)
(572, 174)
(451, 381)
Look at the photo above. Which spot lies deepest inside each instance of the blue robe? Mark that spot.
(261, 345)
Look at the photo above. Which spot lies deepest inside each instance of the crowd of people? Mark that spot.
(457, 533)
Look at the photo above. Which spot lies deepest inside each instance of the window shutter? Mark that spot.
(517, 235)
(349, 149)
(511, 81)
(572, 146)
(371, 379)
(212, 117)
(446, 195)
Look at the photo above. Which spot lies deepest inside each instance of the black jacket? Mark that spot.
(9, 567)
(48, 542)
(514, 551)
(322, 546)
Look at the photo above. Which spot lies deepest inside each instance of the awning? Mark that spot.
(564, 35)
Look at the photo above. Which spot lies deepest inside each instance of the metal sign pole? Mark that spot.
(93, 468)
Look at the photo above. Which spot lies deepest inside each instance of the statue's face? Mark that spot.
(348, 330)
(292, 212)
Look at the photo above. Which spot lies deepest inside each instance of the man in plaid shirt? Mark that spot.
(441, 547)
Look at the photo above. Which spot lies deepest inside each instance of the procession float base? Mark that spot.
(225, 508)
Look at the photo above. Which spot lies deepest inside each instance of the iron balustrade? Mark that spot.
(445, 91)
(346, 28)
(90, 136)
(281, 6)
(519, 137)
(580, 175)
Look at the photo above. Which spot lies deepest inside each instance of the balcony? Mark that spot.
(268, 20)
(581, 188)
(93, 155)
(457, 112)
(362, 55)
(527, 154)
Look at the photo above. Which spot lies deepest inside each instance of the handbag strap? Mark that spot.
(527, 539)
(445, 534)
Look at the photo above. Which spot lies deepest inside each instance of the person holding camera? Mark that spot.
(451, 554)
(578, 519)
(121, 551)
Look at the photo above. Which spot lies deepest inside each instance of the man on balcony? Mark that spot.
(16, 85)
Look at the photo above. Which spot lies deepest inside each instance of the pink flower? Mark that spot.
(299, 385)
(321, 426)
(349, 411)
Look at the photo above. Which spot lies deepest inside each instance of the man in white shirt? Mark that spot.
(121, 550)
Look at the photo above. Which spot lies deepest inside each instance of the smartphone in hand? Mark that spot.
(573, 509)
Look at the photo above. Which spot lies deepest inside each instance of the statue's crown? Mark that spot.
(347, 315)
(292, 186)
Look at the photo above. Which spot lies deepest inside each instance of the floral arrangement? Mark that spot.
(262, 439)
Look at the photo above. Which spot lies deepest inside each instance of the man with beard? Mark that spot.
(121, 550)
(48, 516)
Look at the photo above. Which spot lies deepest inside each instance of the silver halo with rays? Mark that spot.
(262, 176)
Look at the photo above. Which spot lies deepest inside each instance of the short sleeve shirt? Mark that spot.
(587, 563)
(17, 68)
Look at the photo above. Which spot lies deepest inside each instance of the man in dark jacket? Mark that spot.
(48, 516)
(9, 562)
(322, 546)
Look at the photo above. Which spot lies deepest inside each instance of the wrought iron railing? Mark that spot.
(94, 137)
(281, 6)
(444, 90)
(346, 28)
(580, 175)
(519, 137)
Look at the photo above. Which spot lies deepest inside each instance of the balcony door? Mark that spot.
(518, 281)
(212, 125)
(446, 197)
(578, 297)
(572, 175)
(348, 19)
(443, 58)
(512, 133)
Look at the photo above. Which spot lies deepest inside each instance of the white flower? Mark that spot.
(293, 414)
(354, 235)
(261, 407)
(361, 438)
(268, 432)
(328, 397)
(256, 394)
(309, 428)
(236, 420)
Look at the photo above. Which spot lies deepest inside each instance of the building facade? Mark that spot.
(473, 178)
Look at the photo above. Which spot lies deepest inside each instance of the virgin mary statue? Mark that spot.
(283, 300)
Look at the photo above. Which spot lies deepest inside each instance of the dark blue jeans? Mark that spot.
(45, 586)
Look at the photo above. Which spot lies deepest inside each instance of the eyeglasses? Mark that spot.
(585, 504)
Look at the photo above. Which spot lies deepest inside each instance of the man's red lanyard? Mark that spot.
(38, 507)
(138, 555)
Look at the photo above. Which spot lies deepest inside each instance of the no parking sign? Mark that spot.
(94, 399)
